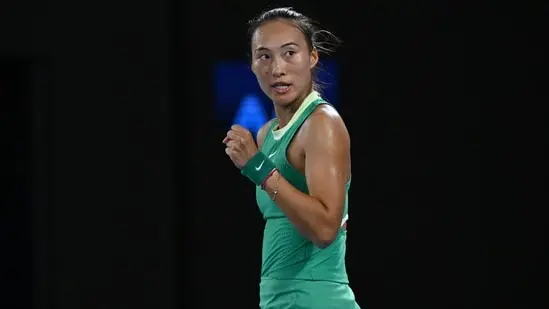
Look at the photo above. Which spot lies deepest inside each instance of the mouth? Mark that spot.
(280, 87)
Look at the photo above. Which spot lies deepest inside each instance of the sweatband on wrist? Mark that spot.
(258, 168)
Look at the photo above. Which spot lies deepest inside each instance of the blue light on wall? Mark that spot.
(251, 114)
(240, 100)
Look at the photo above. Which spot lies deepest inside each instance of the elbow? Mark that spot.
(325, 237)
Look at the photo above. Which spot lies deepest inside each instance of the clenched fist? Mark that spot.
(240, 145)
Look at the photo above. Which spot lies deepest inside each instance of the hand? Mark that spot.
(240, 145)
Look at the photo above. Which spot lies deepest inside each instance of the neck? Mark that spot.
(284, 113)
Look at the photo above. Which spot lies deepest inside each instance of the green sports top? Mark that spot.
(286, 253)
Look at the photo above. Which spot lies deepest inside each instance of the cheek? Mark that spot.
(302, 66)
(262, 79)
(304, 72)
(259, 72)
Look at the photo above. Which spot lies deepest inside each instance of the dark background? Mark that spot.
(118, 193)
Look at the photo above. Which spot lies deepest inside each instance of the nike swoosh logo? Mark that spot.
(272, 154)
(260, 165)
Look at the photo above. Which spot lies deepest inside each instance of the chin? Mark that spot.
(283, 100)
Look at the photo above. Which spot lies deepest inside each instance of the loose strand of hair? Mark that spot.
(326, 42)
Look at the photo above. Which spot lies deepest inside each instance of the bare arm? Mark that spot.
(327, 168)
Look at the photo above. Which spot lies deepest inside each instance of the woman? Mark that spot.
(302, 170)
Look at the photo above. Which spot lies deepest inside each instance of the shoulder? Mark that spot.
(325, 125)
(262, 132)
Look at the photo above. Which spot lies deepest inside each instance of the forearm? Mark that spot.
(310, 216)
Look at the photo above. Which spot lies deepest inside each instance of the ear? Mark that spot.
(314, 58)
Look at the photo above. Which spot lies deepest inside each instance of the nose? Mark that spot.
(277, 67)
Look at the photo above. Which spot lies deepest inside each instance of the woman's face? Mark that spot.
(282, 61)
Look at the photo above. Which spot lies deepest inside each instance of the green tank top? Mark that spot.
(286, 253)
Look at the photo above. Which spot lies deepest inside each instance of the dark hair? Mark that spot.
(323, 41)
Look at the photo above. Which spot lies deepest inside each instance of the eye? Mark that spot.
(290, 53)
(263, 56)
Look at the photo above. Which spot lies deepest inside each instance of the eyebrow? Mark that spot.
(261, 48)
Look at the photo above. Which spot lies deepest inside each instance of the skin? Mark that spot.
(321, 147)
(280, 53)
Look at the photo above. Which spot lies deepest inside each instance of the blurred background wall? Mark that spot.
(85, 101)
(119, 194)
